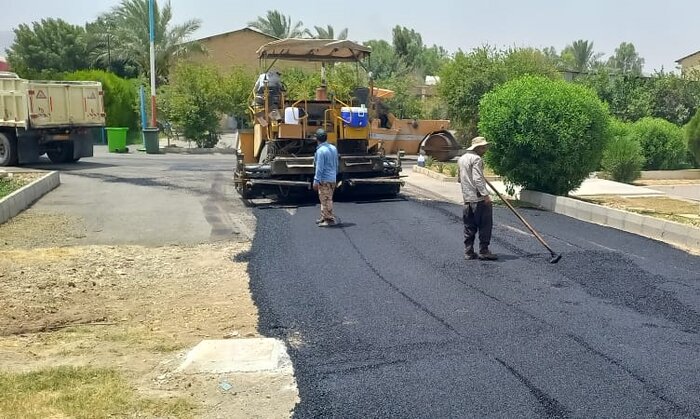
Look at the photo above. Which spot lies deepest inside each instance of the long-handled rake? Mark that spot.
(555, 256)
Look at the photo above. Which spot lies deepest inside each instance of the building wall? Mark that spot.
(691, 63)
(238, 48)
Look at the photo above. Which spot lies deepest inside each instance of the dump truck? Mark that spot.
(47, 117)
(277, 157)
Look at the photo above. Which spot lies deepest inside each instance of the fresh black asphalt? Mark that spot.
(384, 318)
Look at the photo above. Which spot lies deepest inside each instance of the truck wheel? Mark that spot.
(8, 150)
(63, 153)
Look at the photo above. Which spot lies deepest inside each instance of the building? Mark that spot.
(4, 66)
(238, 49)
(690, 63)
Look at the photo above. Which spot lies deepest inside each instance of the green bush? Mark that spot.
(662, 142)
(119, 97)
(452, 169)
(195, 101)
(429, 161)
(466, 78)
(622, 157)
(238, 84)
(546, 135)
(692, 135)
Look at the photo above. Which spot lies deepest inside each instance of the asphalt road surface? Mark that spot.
(384, 317)
(149, 199)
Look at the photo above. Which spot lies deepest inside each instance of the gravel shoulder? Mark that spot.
(137, 309)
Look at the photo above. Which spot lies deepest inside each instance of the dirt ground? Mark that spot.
(678, 210)
(137, 309)
(652, 182)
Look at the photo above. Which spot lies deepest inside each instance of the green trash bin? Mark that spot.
(116, 139)
(150, 140)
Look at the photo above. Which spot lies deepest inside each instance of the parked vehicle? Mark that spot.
(47, 117)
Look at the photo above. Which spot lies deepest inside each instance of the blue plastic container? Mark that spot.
(355, 117)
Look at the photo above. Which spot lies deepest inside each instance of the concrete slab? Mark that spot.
(681, 191)
(236, 355)
(593, 187)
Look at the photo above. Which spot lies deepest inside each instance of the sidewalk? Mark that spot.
(228, 142)
(682, 235)
(451, 191)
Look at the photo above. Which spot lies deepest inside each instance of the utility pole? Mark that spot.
(152, 35)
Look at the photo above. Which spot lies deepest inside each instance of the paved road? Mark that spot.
(149, 199)
(385, 319)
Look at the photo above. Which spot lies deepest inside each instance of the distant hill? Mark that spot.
(6, 40)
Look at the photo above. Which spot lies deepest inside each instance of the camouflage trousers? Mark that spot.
(325, 196)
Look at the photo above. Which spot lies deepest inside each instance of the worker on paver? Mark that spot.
(478, 208)
(326, 161)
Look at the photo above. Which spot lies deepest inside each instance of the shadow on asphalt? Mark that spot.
(46, 164)
(311, 200)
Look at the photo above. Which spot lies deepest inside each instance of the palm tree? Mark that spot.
(127, 39)
(327, 33)
(580, 55)
(278, 25)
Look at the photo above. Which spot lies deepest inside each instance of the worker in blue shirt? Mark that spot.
(325, 178)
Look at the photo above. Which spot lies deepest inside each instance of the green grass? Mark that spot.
(80, 392)
(7, 186)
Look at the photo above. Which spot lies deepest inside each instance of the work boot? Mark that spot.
(487, 255)
(470, 255)
(327, 223)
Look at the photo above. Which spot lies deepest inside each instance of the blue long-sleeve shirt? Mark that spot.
(326, 161)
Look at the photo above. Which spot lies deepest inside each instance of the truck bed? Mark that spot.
(50, 104)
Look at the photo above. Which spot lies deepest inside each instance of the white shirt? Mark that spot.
(471, 177)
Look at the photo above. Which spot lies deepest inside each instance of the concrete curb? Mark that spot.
(445, 178)
(687, 174)
(22, 198)
(642, 225)
(434, 175)
(179, 150)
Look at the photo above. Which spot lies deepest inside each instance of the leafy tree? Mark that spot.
(552, 55)
(100, 35)
(385, 63)
(276, 24)
(622, 157)
(236, 89)
(343, 79)
(628, 97)
(626, 60)
(119, 97)
(405, 103)
(692, 135)
(327, 33)
(408, 45)
(129, 40)
(47, 48)
(547, 135)
(469, 76)
(195, 101)
(301, 84)
(432, 60)
(521, 61)
(674, 98)
(580, 56)
(663, 143)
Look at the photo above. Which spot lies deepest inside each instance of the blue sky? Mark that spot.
(662, 31)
